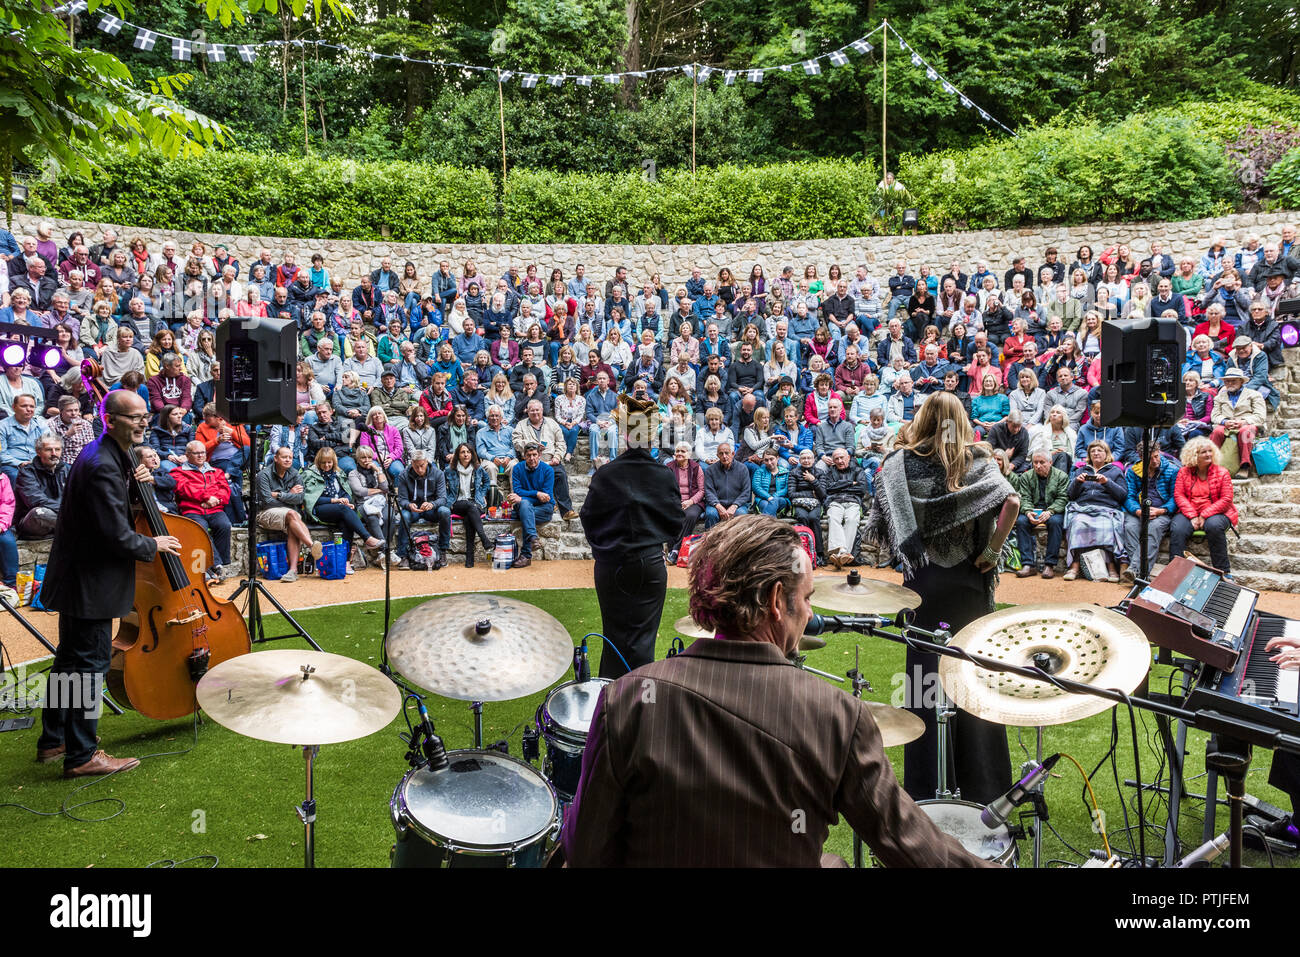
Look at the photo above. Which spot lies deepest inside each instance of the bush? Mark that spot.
(1284, 180)
(272, 195)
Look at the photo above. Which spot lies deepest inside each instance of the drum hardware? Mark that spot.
(531, 747)
(859, 684)
(675, 647)
(799, 660)
(292, 697)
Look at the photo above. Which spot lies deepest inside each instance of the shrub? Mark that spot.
(1284, 180)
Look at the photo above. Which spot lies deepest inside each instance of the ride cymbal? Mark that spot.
(1091, 645)
(298, 697)
(896, 725)
(863, 596)
(476, 647)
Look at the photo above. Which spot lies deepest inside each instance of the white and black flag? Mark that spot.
(144, 40)
(812, 67)
(583, 81)
(838, 58)
(862, 46)
(729, 77)
(181, 48)
(247, 52)
(216, 53)
(554, 80)
(111, 25)
(529, 81)
(754, 76)
(505, 75)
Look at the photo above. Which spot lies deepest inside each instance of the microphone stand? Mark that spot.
(1241, 732)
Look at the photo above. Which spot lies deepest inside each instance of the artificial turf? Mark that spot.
(234, 798)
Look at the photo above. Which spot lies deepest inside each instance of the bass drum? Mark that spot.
(564, 719)
(961, 820)
(486, 809)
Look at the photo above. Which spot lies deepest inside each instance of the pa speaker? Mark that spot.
(1141, 380)
(259, 371)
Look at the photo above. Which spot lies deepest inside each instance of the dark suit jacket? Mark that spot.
(729, 756)
(91, 572)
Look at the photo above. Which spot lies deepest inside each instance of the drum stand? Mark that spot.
(859, 684)
(944, 711)
(307, 809)
(477, 708)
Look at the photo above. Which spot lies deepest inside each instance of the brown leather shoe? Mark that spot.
(50, 755)
(570, 515)
(101, 763)
(1026, 571)
(523, 561)
(1048, 571)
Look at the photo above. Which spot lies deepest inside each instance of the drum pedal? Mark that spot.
(532, 743)
(502, 746)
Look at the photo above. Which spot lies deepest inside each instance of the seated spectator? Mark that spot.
(1069, 396)
(806, 498)
(536, 429)
(835, 432)
(368, 483)
(39, 489)
(1043, 499)
(326, 367)
(72, 429)
(411, 370)
(1203, 494)
(1113, 436)
(329, 433)
(228, 447)
(1263, 330)
(350, 400)
(309, 391)
(1057, 438)
(394, 399)
(419, 434)
(991, 406)
(362, 363)
(202, 494)
(602, 429)
(18, 435)
(689, 477)
(1095, 517)
(1012, 437)
(1238, 412)
(171, 387)
(1160, 493)
(727, 487)
(1254, 363)
(927, 376)
(494, 442)
(453, 432)
(710, 439)
(529, 391)
(384, 441)
(164, 486)
(744, 375)
(500, 395)
(904, 401)
(846, 487)
(770, 483)
(532, 484)
(280, 488)
(1196, 409)
(467, 484)
(328, 500)
(1206, 363)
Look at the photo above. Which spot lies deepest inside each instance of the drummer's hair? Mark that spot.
(734, 569)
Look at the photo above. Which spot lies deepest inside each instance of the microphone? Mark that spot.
(821, 624)
(1206, 852)
(434, 750)
(996, 814)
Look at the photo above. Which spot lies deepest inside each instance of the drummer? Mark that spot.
(729, 756)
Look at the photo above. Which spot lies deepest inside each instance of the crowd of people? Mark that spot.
(427, 398)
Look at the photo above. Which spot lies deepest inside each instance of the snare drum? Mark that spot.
(961, 820)
(564, 719)
(486, 809)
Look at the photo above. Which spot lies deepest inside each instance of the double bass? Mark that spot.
(177, 628)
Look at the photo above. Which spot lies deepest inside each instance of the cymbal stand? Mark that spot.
(859, 683)
(944, 711)
(307, 809)
(477, 708)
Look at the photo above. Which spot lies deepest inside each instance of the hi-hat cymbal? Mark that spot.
(688, 627)
(864, 596)
(476, 647)
(896, 725)
(269, 696)
(1091, 645)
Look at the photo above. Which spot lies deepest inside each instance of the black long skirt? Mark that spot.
(979, 758)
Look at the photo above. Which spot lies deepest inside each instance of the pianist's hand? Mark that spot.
(1288, 652)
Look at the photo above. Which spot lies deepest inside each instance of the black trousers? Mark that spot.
(562, 498)
(980, 761)
(631, 593)
(74, 695)
(690, 518)
(1216, 536)
(468, 513)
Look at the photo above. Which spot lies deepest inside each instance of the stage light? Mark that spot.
(48, 356)
(14, 354)
(911, 219)
(1290, 332)
(18, 196)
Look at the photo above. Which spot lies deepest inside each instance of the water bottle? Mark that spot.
(338, 538)
(503, 553)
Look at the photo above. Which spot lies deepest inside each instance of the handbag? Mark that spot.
(1270, 456)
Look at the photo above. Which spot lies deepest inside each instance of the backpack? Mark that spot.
(423, 552)
(684, 553)
(809, 542)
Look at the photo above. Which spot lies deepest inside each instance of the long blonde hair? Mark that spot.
(941, 429)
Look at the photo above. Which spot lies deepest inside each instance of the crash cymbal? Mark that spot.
(896, 725)
(269, 696)
(688, 627)
(480, 647)
(864, 596)
(1090, 644)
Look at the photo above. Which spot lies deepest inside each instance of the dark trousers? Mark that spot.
(1026, 535)
(812, 517)
(74, 694)
(1216, 536)
(468, 513)
(344, 518)
(690, 518)
(440, 516)
(562, 499)
(631, 594)
(8, 558)
(218, 526)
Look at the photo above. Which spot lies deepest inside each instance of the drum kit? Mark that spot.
(481, 807)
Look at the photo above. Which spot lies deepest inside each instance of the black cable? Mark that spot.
(1070, 847)
(1263, 839)
(168, 863)
(1137, 770)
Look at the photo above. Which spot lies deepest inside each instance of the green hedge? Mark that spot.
(1284, 180)
(272, 195)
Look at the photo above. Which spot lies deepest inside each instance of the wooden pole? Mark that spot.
(884, 99)
(306, 143)
(695, 88)
(501, 110)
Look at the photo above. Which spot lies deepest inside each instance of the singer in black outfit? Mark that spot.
(90, 580)
(631, 511)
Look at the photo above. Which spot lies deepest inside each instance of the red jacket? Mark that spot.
(1205, 497)
(193, 488)
(211, 437)
(439, 411)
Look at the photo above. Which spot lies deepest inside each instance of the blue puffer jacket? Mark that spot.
(1160, 489)
(766, 485)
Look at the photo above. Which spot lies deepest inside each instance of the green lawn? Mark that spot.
(234, 797)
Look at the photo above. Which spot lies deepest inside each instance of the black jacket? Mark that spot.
(91, 572)
(320, 435)
(413, 489)
(632, 504)
(39, 487)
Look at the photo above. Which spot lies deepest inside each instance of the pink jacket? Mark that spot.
(6, 503)
(391, 441)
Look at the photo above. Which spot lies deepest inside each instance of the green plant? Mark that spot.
(1284, 180)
